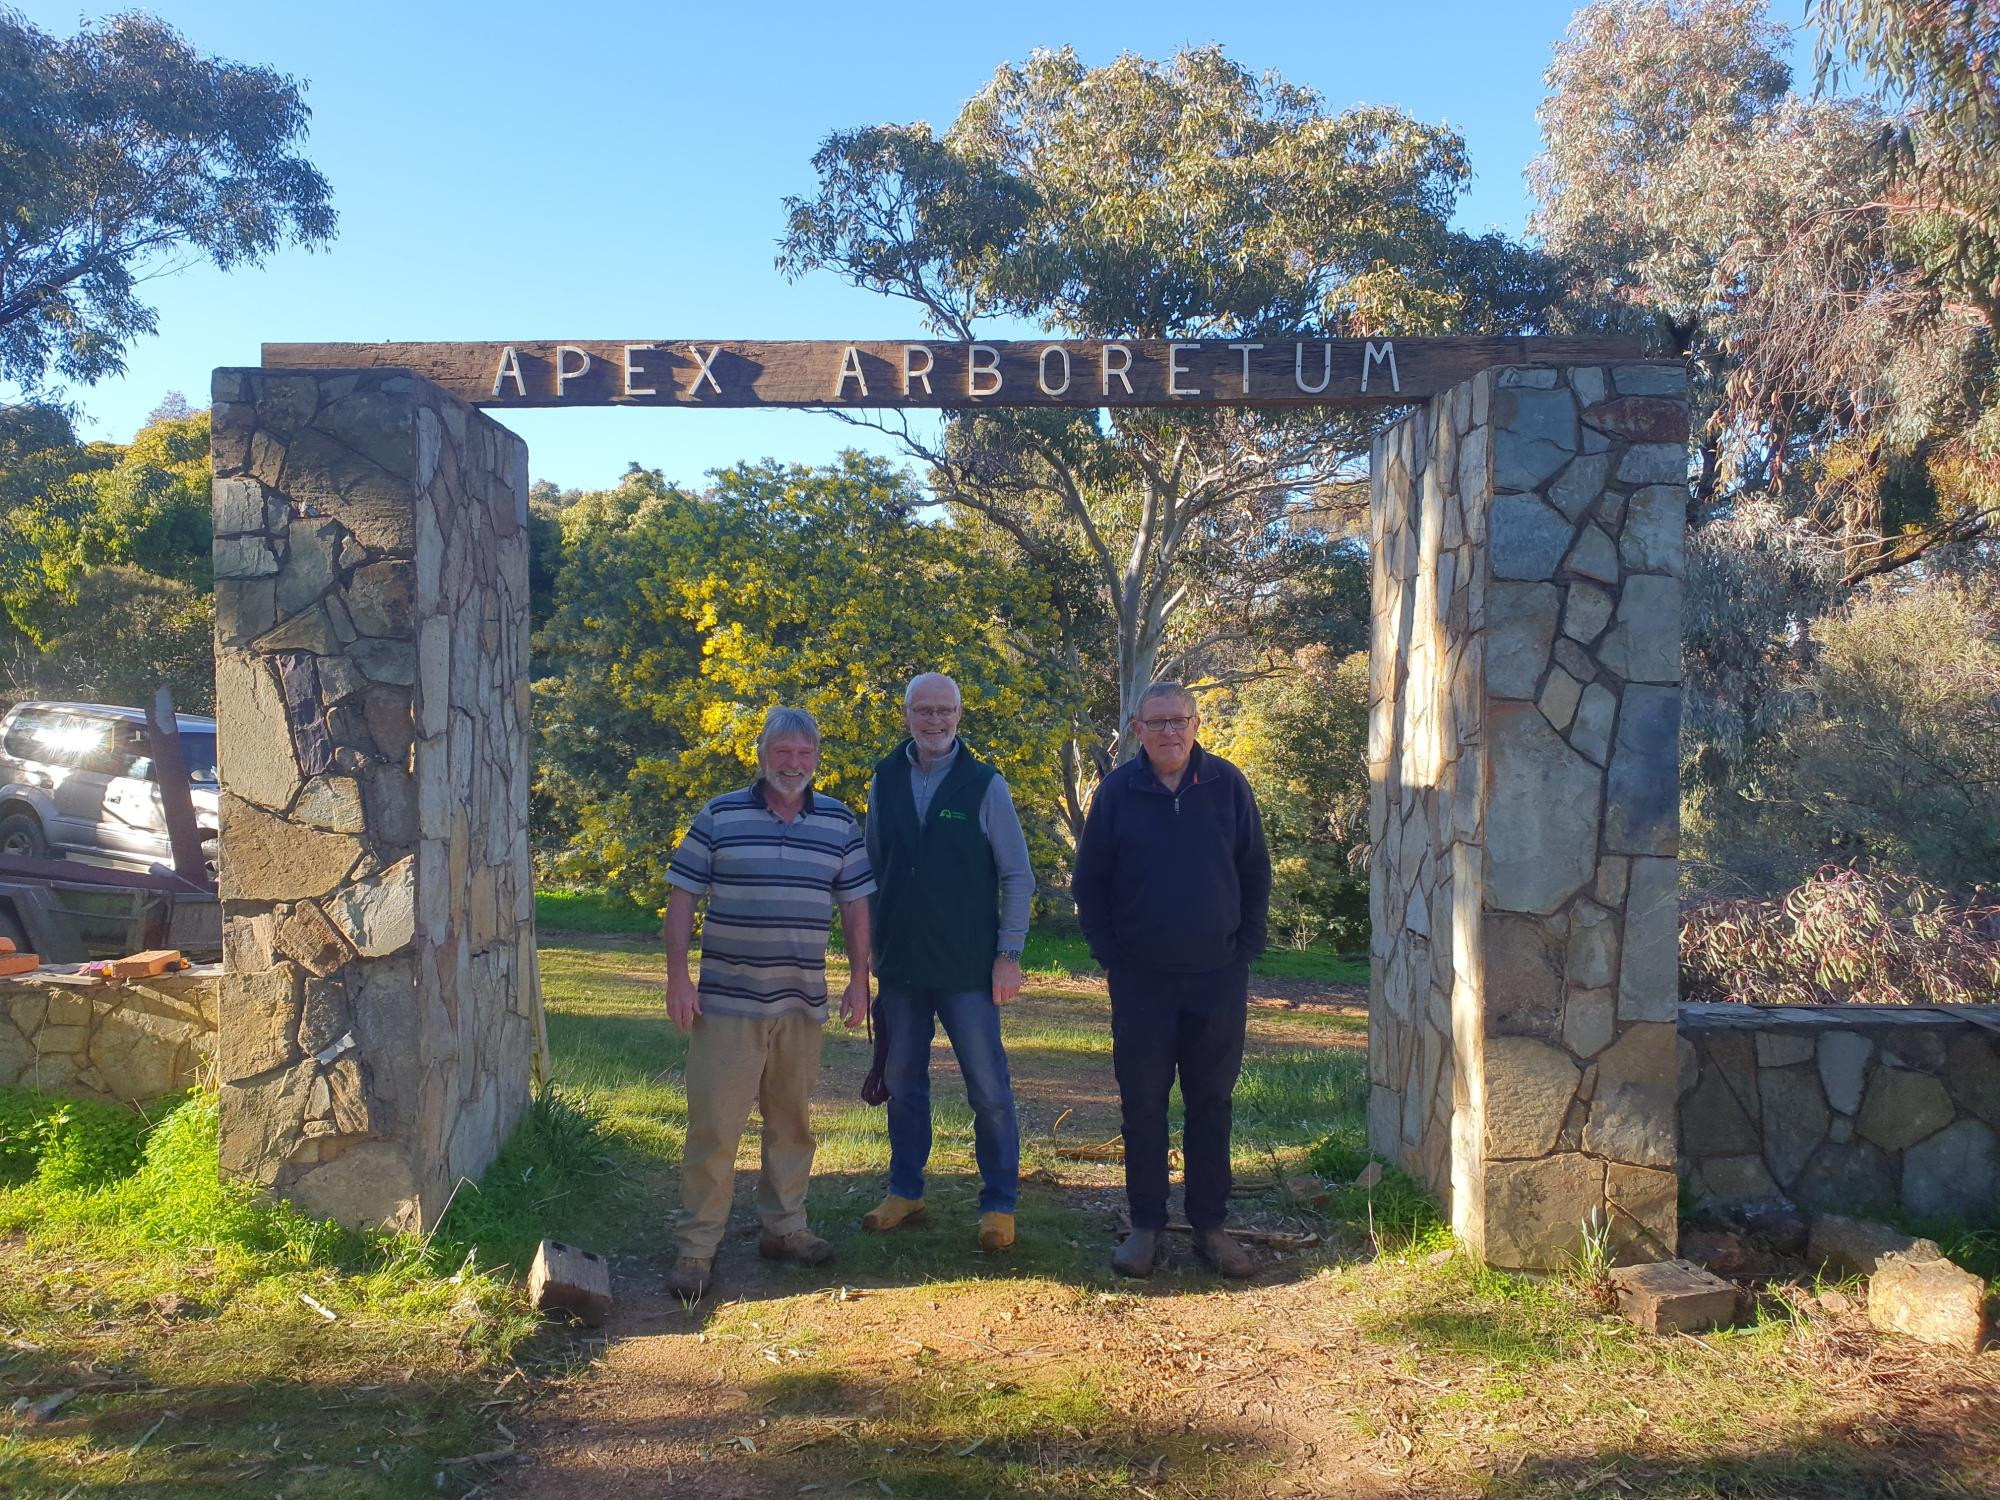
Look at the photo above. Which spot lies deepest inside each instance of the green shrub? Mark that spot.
(507, 1212)
(66, 1143)
(1397, 1212)
(1845, 937)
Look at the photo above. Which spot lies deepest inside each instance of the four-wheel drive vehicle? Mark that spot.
(79, 777)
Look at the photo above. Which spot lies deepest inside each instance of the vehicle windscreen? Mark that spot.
(198, 749)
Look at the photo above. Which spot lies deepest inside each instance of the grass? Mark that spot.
(138, 1278)
(598, 912)
(1383, 1362)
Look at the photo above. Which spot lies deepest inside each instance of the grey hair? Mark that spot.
(922, 677)
(786, 724)
(1165, 690)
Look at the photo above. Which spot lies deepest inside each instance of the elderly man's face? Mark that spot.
(1167, 727)
(789, 764)
(932, 713)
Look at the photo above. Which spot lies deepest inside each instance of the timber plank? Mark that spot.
(1090, 373)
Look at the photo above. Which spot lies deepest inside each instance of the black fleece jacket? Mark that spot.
(1176, 882)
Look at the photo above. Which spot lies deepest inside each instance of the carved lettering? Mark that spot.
(850, 369)
(510, 369)
(702, 370)
(1372, 356)
(564, 374)
(1123, 369)
(913, 371)
(982, 360)
(632, 371)
(1042, 373)
(1299, 368)
(1247, 350)
(1175, 369)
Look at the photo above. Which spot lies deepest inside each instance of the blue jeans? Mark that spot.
(972, 1021)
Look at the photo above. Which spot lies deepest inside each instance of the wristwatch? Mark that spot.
(1013, 953)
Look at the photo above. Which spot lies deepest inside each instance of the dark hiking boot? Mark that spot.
(1222, 1255)
(1139, 1254)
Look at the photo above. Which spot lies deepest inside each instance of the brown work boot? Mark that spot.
(1222, 1255)
(688, 1280)
(996, 1232)
(1139, 1254)
(893, 1213)
(801, 1247)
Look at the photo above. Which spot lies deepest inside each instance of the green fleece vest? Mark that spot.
(937, 914)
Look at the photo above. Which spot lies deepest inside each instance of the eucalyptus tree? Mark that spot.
(1183, 198)
(1825, 262)
(124, 151)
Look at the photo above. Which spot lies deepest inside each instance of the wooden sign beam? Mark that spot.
(1064, 372)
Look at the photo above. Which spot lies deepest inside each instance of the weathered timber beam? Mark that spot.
(1066, 372)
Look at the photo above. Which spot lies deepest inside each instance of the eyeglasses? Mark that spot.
(929, 711)
(1165, 726)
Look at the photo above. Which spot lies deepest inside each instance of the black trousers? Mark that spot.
(1161, 1025)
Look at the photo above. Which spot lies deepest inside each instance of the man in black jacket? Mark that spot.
(1173, 889)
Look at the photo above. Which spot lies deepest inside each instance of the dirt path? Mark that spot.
(914, 1367)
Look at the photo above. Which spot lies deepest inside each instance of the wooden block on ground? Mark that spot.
(1929, 1299)
(565, 1279)
(144, 965)
(18, 963)
(1673, 1296)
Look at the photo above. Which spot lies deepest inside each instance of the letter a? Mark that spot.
(850, 369)
(510, 369)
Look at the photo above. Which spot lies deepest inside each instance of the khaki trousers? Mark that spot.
(734, 1062)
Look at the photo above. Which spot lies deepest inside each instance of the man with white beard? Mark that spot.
(772, 859)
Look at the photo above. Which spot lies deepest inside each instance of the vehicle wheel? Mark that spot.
(211, 857)
(21, 835)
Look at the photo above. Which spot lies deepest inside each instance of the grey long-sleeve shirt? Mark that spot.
(997, 820)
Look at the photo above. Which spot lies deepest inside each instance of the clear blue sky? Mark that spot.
(596, 170)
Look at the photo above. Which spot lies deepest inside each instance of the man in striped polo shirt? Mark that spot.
(772, 859)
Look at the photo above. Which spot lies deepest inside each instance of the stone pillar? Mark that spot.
(380, 1023)
(1523, 758)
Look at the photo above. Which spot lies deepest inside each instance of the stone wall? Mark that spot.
(1524, 718)
(381, 1017)
(121, 1044)
(1854, 1108)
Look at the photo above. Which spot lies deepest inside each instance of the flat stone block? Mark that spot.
(1673, 1296)
(1529, 539)
(1846, 1246)
(1953, 1174)
(1929, 1299)
(1541, 815)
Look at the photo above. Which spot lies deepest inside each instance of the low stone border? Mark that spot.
(1853, 1108)
(121, 1043)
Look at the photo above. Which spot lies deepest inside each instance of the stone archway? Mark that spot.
(381, 1018)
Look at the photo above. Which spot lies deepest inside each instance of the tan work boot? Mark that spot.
(688, 1280)
(1222, 1255)
(996, 1232)
(801, 1247)
(893, 1213)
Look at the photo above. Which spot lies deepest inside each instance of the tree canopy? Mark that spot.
(678, 619)
(1178, 198)
(122, 148)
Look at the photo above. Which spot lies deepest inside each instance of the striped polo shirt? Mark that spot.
(771, 886)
